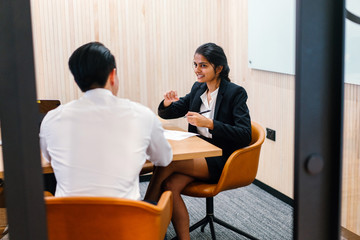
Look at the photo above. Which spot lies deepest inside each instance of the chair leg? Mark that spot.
(203, 221)
(210, 218)
(212, 229)
(203, 227)
(224, 224)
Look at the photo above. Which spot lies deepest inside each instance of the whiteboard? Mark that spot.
(352, 45)
(271, 37)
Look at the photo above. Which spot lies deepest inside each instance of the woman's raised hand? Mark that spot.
(170, 97)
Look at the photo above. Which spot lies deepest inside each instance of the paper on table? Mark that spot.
(177, 135)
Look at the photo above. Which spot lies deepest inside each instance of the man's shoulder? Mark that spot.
(139, 106)
(141, 111)
(57, 111)
(53, 112)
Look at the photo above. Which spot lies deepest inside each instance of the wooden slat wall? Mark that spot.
(272, 101)
(351, 159)
(152, 46)
(154, 41)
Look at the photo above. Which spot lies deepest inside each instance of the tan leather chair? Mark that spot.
(48, 194)
(90, 218)
(239, 171)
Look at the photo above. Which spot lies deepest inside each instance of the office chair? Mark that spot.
(107, 218)
(239, 171)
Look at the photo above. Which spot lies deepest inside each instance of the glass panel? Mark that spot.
(352, 43)
(350, 211)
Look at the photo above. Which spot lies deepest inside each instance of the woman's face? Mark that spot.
(204, 70)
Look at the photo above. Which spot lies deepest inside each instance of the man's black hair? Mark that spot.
(91, 65)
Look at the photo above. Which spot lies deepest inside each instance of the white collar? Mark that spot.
(98, 91)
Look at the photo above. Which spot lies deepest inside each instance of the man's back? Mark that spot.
(99, 143)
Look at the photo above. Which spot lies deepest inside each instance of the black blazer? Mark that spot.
(232, 124)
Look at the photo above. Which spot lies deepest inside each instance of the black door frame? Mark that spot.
(318, 124)
(318, 118)
(19, 124)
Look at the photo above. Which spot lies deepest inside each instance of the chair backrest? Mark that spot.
(242, 165)
(107, 218)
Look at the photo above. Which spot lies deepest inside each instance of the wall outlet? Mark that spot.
(270, 134)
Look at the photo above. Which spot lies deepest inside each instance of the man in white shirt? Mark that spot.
(98, 144)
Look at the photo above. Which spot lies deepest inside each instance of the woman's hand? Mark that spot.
(199, 120)
(170, 97)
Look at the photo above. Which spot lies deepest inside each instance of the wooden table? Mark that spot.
(192, 147)
(189, 148)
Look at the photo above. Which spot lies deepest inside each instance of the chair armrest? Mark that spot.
(166, 207)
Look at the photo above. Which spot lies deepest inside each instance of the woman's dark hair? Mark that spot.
(216, 56)
(91, 65)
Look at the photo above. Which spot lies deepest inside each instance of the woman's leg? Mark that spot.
(180, 216)
(196, 168)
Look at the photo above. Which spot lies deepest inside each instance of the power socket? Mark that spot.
(270, 134)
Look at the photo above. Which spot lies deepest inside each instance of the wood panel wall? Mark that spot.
(154, 42)
(351, 159)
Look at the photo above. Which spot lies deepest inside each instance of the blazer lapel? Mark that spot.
(222, 89)
(197, 100)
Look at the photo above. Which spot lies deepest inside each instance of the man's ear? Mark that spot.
(112, 77)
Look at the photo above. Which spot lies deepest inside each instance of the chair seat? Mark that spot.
(200, 189)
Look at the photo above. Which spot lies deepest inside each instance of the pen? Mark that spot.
(206, 111)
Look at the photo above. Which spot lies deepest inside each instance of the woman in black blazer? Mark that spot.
(227, 125)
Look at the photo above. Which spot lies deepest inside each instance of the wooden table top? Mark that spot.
(189, 148)
(192, 147)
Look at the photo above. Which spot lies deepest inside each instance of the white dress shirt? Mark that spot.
(207, 105)
(98, 144)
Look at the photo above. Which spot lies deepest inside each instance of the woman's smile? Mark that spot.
(200, 76)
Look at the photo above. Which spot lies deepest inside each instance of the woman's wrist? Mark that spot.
(166, 103)
(210, 124)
